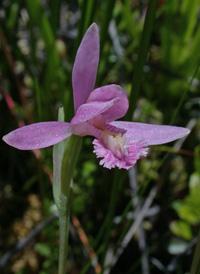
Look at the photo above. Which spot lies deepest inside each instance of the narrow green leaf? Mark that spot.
(142, 56)
(70, 157)
(184, 94)
(195, 269)
(55, 7)
(189, 12)
(89, 14)
(11, 20)
(109, 6)
(58, 151)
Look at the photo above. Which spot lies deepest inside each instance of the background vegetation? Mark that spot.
(142, 221)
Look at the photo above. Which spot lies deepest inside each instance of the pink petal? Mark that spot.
(113, 129)
(85, 66)
(115, 155)
(110, 92)
(92, 109)
(152, 134)
(85, 128)
(39, 135)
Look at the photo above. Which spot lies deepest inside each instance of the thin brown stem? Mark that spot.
(11, 64)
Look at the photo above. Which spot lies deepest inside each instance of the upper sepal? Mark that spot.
(85, 66)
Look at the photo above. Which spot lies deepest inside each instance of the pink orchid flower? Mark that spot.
(119, 143)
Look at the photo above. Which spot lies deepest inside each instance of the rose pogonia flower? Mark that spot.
(119, 144)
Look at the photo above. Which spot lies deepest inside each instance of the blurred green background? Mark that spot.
(145, 220)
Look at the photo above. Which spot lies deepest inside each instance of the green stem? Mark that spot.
(70, 157)
(142, 55)
(64, 214)
(65, 156)
(64, 222)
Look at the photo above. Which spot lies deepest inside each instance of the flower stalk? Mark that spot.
(64, 201)
(65, 155)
